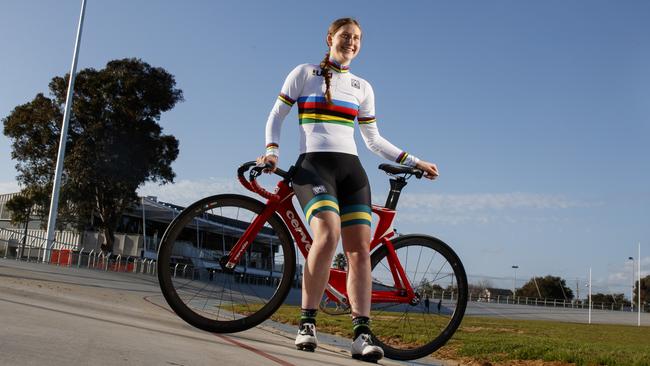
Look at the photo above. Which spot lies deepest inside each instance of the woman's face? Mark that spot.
(345, 43)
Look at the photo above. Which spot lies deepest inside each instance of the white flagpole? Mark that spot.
(589, 295)
(54, 204)
(639, 303)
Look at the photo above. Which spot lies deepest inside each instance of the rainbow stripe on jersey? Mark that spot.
(337, 66)
(313, 109)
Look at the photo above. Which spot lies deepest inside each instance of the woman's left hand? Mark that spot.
(430, 169)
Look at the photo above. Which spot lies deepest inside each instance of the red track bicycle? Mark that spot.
(228, 262)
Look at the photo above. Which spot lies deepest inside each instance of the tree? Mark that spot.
(617, 299)
(645, 287)
(340, 261)
(477, 289)
(428, 288)
(114, 142)
(546, 287)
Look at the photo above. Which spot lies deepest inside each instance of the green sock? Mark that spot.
(308, 316)
(360, 325)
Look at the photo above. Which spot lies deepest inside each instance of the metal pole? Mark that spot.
(639, 303)
(514, 282)
(589, 295)
(144, 229)
(632, 288)
(54, 204)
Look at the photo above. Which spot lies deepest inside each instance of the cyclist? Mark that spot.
(329, 181)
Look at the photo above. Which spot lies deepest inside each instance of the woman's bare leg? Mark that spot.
(326, 227)
(356, 244)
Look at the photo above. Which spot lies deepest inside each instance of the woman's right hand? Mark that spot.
(268, 159)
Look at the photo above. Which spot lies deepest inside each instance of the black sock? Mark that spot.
(308, 316)
(361, 325)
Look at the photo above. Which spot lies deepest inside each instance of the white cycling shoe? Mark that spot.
(306, 338)
(364, 349)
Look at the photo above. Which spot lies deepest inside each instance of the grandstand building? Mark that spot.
(138, 234)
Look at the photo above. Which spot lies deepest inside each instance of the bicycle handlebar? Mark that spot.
(251, 183)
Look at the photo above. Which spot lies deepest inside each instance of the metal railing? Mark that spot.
(555, 303)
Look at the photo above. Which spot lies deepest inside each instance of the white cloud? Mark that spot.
(623, 275)
(486, 201)
(481, 208)
(415, 208)
(9, 187)
(184, 192)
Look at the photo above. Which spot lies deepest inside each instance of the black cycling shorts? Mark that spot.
(332, 181)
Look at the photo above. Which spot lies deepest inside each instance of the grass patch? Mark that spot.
(502, 341)
(499, 340)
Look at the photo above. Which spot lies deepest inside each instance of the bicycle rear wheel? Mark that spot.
(410, 331)
(208, 296)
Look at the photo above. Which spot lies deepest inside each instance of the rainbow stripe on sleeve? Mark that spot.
(402, 157)
(286, 99)
(366, 120)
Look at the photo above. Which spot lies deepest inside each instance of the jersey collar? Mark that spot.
(337, 66)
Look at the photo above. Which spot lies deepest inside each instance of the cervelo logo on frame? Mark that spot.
(295, 224)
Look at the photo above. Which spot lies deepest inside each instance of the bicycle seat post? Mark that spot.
(396, 186)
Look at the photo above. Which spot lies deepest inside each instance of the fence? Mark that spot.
(572, 304)
(31, 248)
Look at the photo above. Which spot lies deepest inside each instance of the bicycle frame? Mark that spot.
(281, 202)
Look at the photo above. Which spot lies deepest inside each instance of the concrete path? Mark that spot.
(60, 316)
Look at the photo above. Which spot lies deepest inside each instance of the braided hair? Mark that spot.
(324, 64)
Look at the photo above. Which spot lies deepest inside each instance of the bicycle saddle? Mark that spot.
(400, 169)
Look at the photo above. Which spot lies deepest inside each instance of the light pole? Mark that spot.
(632, 288)
(514, 281)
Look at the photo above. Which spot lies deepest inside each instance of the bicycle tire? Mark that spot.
(251, 303)
(417, 332)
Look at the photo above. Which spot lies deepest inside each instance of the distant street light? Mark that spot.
(514, 281)
(632, 288)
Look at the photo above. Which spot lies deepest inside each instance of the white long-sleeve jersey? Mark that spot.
(330, 127)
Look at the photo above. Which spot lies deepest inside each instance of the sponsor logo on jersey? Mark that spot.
(319, 189)
(355, 83)
(320, 73)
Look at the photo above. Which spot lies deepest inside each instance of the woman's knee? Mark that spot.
(358, 257)
(326, 227)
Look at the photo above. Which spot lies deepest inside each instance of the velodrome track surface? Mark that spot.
(559, 313)
(60, 316)
(53, 315)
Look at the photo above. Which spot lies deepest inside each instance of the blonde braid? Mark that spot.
(324, 69)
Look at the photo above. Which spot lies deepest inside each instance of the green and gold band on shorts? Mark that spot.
(321, 202)
(356, 215)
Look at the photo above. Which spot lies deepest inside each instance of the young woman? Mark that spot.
(329, 181)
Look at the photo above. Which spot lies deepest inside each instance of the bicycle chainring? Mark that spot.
(332, 307)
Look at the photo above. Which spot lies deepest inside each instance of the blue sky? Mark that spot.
(536, 113)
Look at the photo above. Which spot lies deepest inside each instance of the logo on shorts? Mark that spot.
(319, 189)
(355, 83)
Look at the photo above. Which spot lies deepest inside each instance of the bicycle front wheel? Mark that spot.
(436, 274)
(208, 296)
